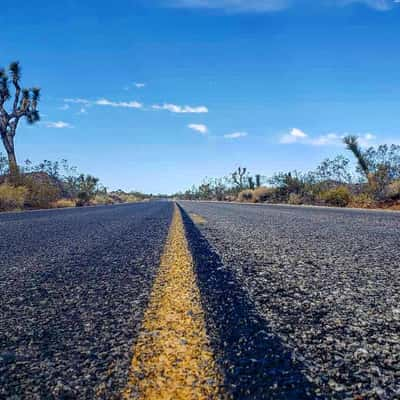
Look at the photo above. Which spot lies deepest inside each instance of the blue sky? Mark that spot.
(155, 95)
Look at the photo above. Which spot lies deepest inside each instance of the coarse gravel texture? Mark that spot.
(74, 285)
(319, 288)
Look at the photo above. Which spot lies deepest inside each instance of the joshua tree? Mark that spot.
(251, 182)
(258, 180)
(24, 105)
(238, 178)
(351, 143)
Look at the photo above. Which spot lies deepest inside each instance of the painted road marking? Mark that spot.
(172, 357)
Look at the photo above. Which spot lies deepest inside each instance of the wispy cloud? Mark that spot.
(58, 125)
(64, 107)
(330, 139)
(235, 135)
(200, 128)
(123, 104)
(181, 109)
(104, 102)
(139, 85)
(237, 6)
(77, 101)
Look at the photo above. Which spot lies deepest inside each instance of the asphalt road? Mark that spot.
(73, 288)
(301, 302)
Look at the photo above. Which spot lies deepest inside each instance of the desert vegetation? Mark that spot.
(369, 179)
(47, 184)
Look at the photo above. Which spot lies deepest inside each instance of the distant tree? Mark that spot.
(334, 171)
(24, 105)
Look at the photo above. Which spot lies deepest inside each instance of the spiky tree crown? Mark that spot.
(25, 100)
(351, 143)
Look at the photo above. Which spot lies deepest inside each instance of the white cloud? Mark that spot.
(199, 128)
(139, 85)
(235, 135)
(77, 101)
(330, 139)
(180, 109)
(64, 107)
(123, 104)
(82, 111)
(104, 102)
(294, 136)
(58, 125)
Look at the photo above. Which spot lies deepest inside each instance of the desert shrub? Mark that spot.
(339, 196)
(362, 200)
(63, 203)
(393, 190)
(246, 195)
(41, 191)
(263, 194)
(295, 199)
(102, 199)
(12, 198)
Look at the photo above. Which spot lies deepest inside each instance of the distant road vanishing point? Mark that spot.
(199, 300)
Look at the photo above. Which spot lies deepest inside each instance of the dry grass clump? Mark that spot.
(41, 192)
(246, 195)
(362, 200)
(12, 198)
(393, 190)
(101, 199)
(64, 203)
(263, 194)
(295, 199)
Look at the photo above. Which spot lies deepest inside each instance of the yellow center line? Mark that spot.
(172, 357)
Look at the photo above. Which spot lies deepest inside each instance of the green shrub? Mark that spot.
(338, 197)
(12, 198)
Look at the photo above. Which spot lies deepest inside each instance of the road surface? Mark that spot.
(203, 301)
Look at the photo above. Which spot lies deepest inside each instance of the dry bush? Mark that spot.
(12, 198)
(42, 193)
(393, 190)
(295, 199)
(263, 194)
(101, 199)
(64, 203)
(338, 197)
(362, 200)
(246, 195)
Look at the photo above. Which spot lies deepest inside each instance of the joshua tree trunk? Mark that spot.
(8, 141)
